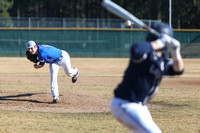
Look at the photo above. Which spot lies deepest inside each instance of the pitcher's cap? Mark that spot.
(30, 44)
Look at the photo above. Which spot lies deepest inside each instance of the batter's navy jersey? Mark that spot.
(48, 54)
(143, 75)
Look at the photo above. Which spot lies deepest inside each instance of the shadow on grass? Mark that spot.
(13, 98)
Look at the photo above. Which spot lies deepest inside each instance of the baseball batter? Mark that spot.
(140, 83)
(55, 58)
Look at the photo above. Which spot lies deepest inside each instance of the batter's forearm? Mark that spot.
(178, 65)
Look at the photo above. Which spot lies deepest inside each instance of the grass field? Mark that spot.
(84, 107)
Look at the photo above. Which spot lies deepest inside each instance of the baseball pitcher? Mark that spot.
(42, 54)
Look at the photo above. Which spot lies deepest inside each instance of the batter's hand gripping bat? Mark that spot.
(124, 14)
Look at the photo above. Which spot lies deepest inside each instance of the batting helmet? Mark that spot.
(161, 28)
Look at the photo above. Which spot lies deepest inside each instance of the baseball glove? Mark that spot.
(31, 57)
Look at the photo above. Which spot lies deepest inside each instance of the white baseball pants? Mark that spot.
(54, 68)
(135, 116)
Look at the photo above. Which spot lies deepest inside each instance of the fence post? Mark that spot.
(97, 23)
(29, 22)
(20, 51)
(64, 24)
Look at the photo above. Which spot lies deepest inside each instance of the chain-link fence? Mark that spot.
(29, 22)
(192, 48)
(83, 37)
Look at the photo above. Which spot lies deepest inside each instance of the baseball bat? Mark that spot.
(124, 14)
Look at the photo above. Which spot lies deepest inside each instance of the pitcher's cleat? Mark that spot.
(74, 79)
(55, 100)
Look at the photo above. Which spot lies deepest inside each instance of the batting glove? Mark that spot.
(173, 46)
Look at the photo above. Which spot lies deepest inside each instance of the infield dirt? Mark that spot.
(26, 89)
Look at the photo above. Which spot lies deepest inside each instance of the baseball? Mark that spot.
(128, 23)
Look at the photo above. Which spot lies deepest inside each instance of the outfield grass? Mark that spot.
(38, 122)
(175, 108)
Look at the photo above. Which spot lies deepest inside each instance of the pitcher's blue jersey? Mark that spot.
(143, 75)
(48, 54)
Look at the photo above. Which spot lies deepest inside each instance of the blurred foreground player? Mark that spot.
(56, 58)
(147, 65)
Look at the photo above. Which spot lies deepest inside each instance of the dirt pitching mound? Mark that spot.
(70, 102)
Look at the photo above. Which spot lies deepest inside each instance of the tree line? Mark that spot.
(185, 13)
